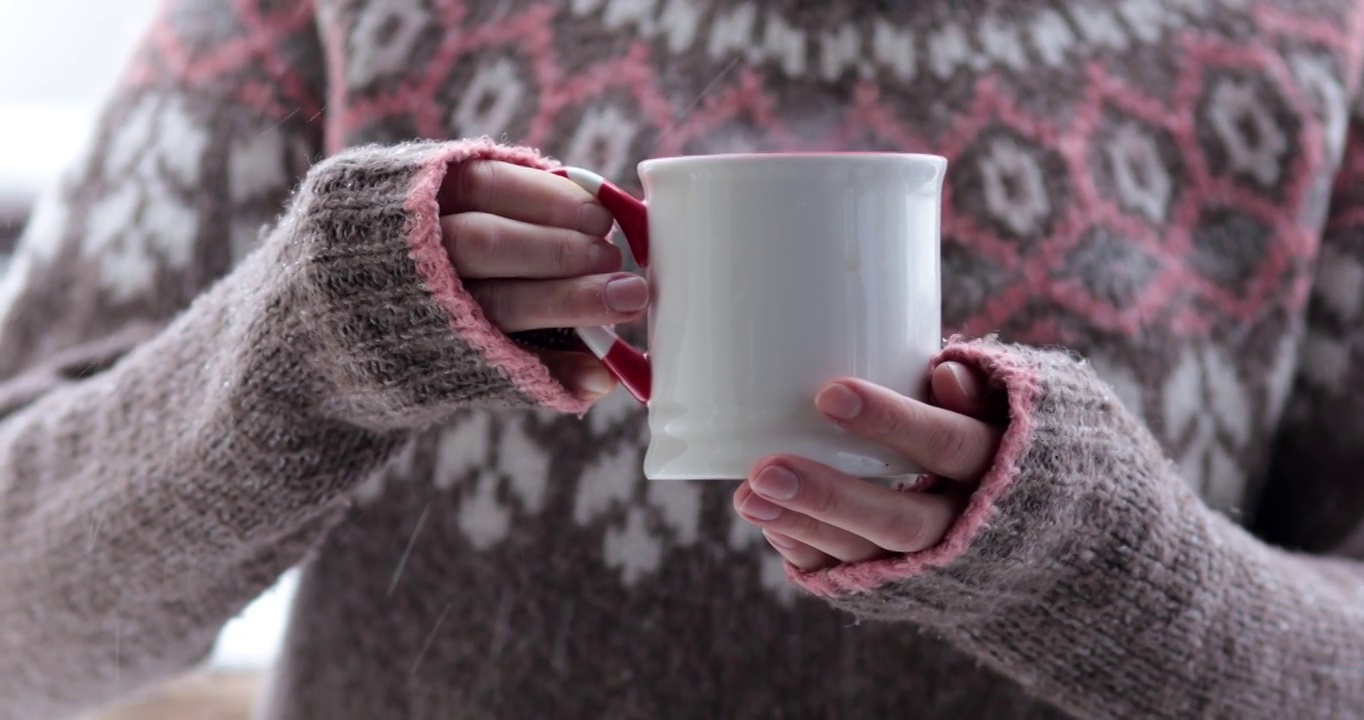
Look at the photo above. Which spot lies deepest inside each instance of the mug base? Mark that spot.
(729, 458)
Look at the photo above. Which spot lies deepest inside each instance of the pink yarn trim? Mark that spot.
(527, 373)
(1023, 387)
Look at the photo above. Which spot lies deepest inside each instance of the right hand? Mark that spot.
(531, 248)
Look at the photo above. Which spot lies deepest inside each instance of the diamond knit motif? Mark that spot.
(1026, 190)
(1172, 199)
(1135, 205)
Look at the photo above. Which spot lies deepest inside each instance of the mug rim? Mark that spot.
(749, 157)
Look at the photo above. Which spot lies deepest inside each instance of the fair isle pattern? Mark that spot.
(154, 163)
(1062, 228)
(1114, 216)
(1144, 182)
(1095, 228)
(38, 247)
(218, 96)
(1128, 154)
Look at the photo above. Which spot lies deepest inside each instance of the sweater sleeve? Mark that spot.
(177, 429)
(147, 503)
(1088, 571)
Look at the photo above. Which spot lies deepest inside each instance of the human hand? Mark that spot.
(817, 517)
(530, 248)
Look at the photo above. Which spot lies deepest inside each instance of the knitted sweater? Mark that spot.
(231, 342)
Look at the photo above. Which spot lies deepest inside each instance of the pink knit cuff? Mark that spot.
(1017, 378)
(526, 371)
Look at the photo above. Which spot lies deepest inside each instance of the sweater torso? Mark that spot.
(1143, 182)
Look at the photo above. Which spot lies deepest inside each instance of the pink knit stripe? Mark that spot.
(527, 373)
(1023, 388)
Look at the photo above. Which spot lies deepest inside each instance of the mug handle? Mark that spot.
(630, 366)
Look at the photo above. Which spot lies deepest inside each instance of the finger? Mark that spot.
(581, 374)
(964, 390)
(522, 193)
(942, 442)
(516, 305)
(895, 521)
(956, 388)
(830, 540)
(482, 245)
(798, 553)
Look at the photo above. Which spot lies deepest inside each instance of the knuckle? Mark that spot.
(945, 440)
(903, 531)
(456, 233)
(477, 183)
(822, 500)
(465, 180)
(589, 296)
(477, 243)
(568, 257)
(799, 526)
(567, 214)
(490, 239)
(564, 303)
(492, 175)
(948, 442)
(494, 301)
(893, 419)
(470, 236)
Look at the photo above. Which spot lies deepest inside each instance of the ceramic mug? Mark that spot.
(772, 274)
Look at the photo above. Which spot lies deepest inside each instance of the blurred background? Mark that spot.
(48, 93)
(48, 99)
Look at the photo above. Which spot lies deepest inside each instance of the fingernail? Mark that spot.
(627, 294)
(776, 482)
(594, 219)
(596, 381)
(779, 540)
(759, 509)
(969, 391)
(840, 402)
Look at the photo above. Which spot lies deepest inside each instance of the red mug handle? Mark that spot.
(630, 366)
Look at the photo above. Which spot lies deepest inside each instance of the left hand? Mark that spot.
(817, 517)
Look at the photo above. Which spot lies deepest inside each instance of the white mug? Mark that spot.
(772, 274)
